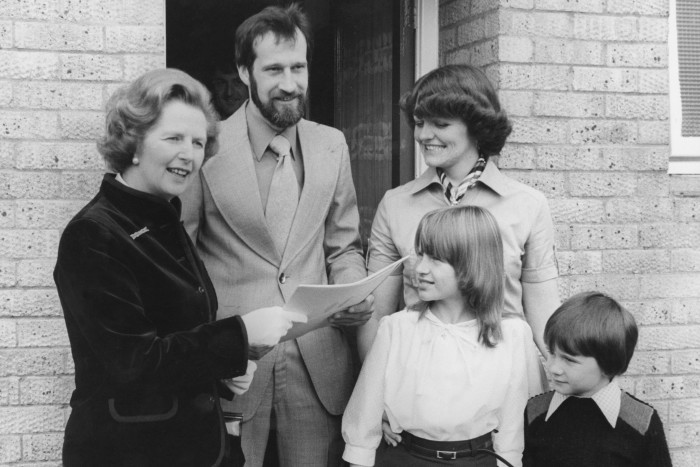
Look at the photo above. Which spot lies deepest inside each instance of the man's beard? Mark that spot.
(280, 119)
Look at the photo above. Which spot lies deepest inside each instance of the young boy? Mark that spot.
(588, 421)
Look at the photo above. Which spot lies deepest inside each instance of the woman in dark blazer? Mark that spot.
(150, 360)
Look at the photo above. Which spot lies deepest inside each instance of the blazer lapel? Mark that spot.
(317, 191)
(230, 176)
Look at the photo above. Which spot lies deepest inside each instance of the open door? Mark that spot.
(374, 58)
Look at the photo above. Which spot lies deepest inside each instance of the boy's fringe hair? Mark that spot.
(595, 325)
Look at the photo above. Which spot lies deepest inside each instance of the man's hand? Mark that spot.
(356, 315)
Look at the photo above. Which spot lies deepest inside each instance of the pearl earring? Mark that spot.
(135, 160)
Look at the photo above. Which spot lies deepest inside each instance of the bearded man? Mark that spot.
(275, 208)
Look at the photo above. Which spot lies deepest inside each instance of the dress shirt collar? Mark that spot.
(491, 177)
(607, 399)
(261, 132)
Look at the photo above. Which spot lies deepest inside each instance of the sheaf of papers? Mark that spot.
(318, 302)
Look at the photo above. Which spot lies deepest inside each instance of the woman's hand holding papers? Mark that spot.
(266, 326)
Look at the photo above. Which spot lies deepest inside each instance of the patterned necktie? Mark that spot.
(283, 197)
(454, 195)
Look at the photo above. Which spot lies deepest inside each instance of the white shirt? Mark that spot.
(438, 382)
(608, 399)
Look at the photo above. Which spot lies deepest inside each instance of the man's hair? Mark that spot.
(135, 108)
(592, 324)
(465, 93)
(468, 239)
(282, 22)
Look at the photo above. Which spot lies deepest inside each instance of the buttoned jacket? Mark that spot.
(139, 309)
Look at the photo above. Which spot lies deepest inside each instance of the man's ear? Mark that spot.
(243, 74)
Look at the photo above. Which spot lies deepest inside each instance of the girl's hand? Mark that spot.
(390, 438)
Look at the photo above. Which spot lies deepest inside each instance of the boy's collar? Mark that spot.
(607, 399)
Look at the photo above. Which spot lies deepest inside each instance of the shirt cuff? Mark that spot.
(358, 455)
(542, 274)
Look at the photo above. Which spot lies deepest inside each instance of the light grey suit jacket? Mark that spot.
(224, 215)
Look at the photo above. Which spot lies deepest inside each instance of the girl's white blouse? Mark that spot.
(438, 382)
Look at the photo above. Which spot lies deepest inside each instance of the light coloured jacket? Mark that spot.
(224, 216)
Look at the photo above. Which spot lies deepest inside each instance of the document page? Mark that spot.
(318, 302)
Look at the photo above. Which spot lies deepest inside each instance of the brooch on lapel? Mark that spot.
(138, 233)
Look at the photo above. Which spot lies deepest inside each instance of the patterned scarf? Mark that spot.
(453, 194)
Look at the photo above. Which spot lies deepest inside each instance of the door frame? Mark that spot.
(427, 53)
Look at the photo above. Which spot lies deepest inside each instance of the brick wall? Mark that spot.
(59, 62)
(586, 83)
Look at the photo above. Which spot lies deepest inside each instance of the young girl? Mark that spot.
(450, 376)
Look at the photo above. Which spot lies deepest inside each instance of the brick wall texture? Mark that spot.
(586, 85)
(60, 60)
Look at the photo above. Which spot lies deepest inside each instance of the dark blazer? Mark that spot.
(140, 312)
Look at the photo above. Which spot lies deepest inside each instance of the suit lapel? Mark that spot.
(320, 171)
(230, 176)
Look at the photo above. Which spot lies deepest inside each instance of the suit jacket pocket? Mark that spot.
(154, 409)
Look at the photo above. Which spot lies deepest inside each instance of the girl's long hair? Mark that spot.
(468, 239)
